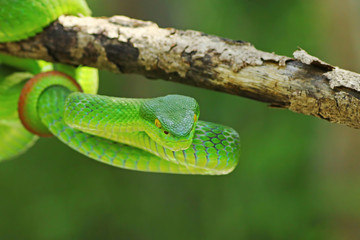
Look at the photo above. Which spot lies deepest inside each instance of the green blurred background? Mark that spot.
(298, 177)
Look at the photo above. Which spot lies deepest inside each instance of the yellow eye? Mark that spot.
(195, 117)
(157, 123)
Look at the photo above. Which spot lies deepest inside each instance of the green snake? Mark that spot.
(38, 98)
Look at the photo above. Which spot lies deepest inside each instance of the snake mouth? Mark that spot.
(178, 145)
(179, 141)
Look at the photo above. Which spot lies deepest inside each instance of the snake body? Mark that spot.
(157, 135)
(20, 19)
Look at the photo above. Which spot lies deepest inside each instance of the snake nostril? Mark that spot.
(166, 132)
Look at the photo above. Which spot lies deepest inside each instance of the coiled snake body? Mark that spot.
(40, 99)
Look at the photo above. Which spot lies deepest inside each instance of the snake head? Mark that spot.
(170, 121)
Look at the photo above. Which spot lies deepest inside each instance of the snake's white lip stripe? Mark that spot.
(178, 141)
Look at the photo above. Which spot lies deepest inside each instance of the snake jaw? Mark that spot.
(178, 145)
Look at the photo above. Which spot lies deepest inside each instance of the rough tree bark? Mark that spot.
(303, 84)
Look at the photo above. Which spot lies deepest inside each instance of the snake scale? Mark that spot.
(38, 98)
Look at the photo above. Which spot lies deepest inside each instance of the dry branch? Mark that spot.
(303, 84)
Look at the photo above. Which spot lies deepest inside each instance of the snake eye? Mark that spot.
(166, 132)
(157, 123)
(195, 117)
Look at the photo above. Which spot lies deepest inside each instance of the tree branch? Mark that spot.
(303, 84)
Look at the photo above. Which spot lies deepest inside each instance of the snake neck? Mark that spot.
(103, 116)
